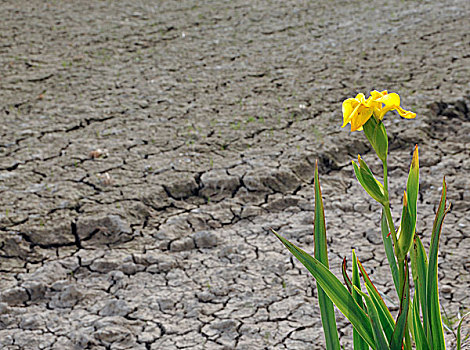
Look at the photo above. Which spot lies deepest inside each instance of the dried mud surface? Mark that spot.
(146, 147)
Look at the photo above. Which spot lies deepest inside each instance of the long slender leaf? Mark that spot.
(432, 292)
(375, 321)
(419, 268)
(410, 319)
(418, 330)
(335, 291)
(321, 254)
(346, 278)
(389, 251)
(400, 326)
(459, 332)
(412, 186)
(386, 318)
(358, 342)
(410, 199)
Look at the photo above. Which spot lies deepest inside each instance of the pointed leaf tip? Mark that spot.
(415, 161)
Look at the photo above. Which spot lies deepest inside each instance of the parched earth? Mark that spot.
(146, 148)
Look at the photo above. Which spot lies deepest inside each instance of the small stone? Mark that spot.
(81, 337)
(112, 334)
(59, 285)
(216, 184)
(103, 230)
(182, 189)
(32, 322)
(446, 289)
(14, 296)
(149, 335)
(3, 308)
(6, 340)
(60, 234)
(224, 325)
(361, 207)
(205, 296)
(250, 211)
(105, 265)
(67, 298)
(166, 304)
(35, 289)
(374, 236)
(49, 273)
(183, 244)
(129, 268)
(115, 308)
(205, 239)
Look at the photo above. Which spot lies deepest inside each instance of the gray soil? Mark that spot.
(146, 148)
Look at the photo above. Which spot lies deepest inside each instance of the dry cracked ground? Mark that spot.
(146, 148)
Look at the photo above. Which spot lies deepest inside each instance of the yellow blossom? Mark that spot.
(358, 110)
(392, 102)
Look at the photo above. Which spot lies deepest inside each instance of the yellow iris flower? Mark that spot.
(358, 110)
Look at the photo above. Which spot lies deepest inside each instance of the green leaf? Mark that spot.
(335, 291)
(386, 318)
(347, 281)
(419, 268)
(406, 230)
(321, 254)
(418, 330)
(432, 293)
(459, 332)
(376, 134)
(368, 181)
(412, 185)
(389, 250)
(379, 337)
(410, 320)
(409, 215)
(358, 342)
(400, 326)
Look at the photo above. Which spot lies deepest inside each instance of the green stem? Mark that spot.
(388, 213)
(384, 162)
(401, 276)
(401, 263)
(407, 342)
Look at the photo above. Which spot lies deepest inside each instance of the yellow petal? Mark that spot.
(360, 97)
(376, 94)
(352, 116)
(363, 115)
(348, 107)
(405, 114)
(390, 100)
(369, 102)
(377, 111)
(382, 111)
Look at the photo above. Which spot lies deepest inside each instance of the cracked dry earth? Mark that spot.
(146, 147)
